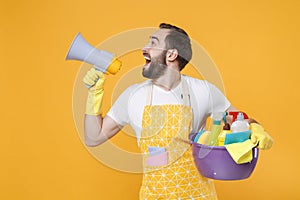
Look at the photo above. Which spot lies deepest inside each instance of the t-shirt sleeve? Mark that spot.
(119, 111)
(217, 100)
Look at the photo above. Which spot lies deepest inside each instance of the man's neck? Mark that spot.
(169, 80)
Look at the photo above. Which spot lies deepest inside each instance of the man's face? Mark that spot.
(155, 55)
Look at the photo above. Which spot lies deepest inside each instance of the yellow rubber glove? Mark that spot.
(94, 80)
(265, 141)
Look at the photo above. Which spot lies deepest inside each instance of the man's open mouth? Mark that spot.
(147, 58)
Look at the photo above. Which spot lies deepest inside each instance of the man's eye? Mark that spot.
(152, 43)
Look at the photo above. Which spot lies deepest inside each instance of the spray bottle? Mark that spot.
(216, 129)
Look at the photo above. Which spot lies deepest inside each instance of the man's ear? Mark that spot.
(172, 54)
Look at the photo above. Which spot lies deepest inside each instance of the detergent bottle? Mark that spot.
(240, 124)
(225, 131)
(216, 129)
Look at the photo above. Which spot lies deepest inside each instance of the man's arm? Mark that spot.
(233, 109)
(97, 129)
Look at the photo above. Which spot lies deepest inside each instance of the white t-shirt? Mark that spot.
(205, 99)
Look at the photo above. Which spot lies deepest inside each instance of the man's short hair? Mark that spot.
(178, 39)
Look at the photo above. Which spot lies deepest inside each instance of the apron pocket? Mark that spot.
(158, 160)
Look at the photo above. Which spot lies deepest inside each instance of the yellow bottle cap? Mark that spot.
(114, 66)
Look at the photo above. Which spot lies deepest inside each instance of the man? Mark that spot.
(167, 107)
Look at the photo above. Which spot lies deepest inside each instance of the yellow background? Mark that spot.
(255, 45)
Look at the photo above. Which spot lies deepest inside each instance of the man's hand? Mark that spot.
(265, 141)
(94, 80)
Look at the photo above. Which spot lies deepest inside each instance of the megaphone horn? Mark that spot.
(102, 60)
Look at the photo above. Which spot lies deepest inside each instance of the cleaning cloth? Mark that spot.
(156, 150)
(241, 152)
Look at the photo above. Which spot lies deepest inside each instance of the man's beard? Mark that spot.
(157, 67)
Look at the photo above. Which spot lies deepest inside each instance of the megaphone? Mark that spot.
(102, 60)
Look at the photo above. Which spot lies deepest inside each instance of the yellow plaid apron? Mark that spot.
(164, 126)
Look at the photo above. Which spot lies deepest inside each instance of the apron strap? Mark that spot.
(149, 95)
(185, 93)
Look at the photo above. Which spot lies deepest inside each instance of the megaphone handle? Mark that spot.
(89, 86)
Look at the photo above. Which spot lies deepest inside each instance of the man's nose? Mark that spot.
(145, 48)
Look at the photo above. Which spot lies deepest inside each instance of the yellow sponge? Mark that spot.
(204, 138)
